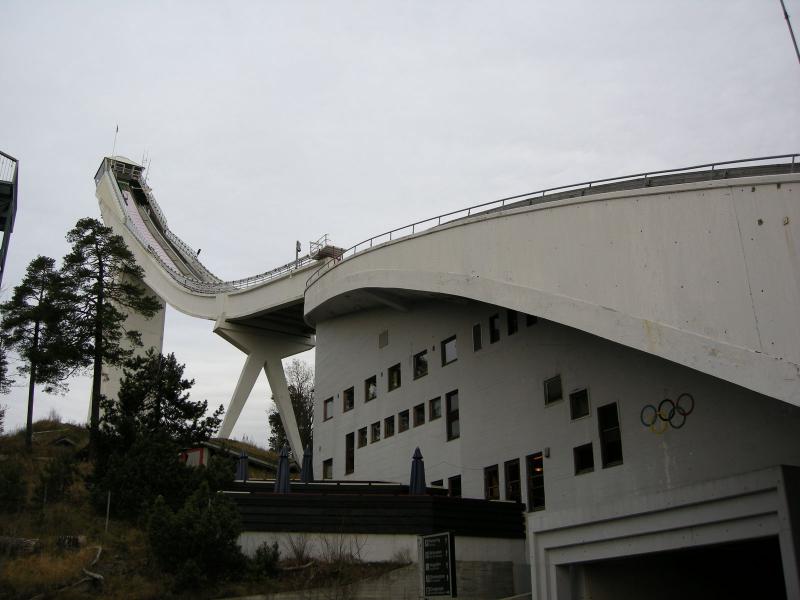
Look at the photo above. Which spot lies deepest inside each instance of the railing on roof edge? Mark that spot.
(8, 167)
(536, 197)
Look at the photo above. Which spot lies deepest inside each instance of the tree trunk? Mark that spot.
(97, 374)
(31, 383)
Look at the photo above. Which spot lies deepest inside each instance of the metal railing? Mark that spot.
(8, 168)
(529, 199)
(192, 284)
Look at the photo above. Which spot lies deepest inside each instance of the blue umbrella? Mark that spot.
(307, 472)
(241, 467)
(282, 476)
(416, 486)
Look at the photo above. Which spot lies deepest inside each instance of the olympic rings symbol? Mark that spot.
(668, 414)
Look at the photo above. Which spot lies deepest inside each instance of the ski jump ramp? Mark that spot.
(700, 266)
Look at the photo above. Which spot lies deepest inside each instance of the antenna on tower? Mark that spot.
(114, 147)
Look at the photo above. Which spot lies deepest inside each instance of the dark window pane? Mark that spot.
(402, 421)
(579, 404)
(328, 409)
(349, 454)
(375, 432)
(362, 437)
(434, 409)
(513, 484)
(584, 459)
(491, 483)
(419, 415)
(421, 364)
(610, 436)
(535, 481)
(327, 468)
(454, 486)
(477, 343)
(552, 390)
(370, 388)
(388, 427)
(511, 321)
(348, 399)
(453, 427)
(394, 377)
(494, 328)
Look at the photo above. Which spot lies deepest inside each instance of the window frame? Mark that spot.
(444, 343)
(452, 415)
(387, 430)
(487, 488)
(546, 386)
(431, 416)
(572, 398)
(350, 453)
(494, 328)
(375, 432)
(450, 482)
(327, 464)
(575, 453)
(327, 409)
(400, 428)
(531, 475)
(604, 431)
(418, 415)
(362, 435)
(477, 338)
(512, 321)
(396, 368)
(414, 360)
(351, 393)
(374, 381)
(510, 495)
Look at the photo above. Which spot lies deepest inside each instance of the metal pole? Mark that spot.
(791, 31)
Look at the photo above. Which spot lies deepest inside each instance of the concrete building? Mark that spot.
(9, 182)
(621, 356)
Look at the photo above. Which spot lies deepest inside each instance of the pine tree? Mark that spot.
(36, 324)
(103, 274)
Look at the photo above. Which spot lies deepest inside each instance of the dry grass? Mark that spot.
(29, 575)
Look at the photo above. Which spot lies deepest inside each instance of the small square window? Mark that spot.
(454, 486)
(375, 432)
(388, 427)
(394, 377)
(477, 344)
(579, 404)
(327, 409)
(419, 415)
(449, 352)
(327, 468)
(421, 364)
(348, 399)
(552, 390)
(370, 388)
(383, 339)
(584, 459)
(362, 437)
(511, 322)
(434, 409)
(402, 421)
(494, 329)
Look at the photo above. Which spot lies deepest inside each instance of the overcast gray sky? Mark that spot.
(269, 122)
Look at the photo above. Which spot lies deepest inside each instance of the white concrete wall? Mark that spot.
(704, 274)
(503, 416)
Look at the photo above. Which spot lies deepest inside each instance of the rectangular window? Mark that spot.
(513, 483)
(402, 421)
(394, 377)
(477, 343)
(383, 338)
(421, 364)
(453, 428)
(349, 453)
(449, 353)
(511, 322)
(579, 404)
(535, 481)
(491, 483)
(584, 459)
(434, 409)
(327, 409)
(348, 399)
(454, 486)
(610, 438)
(552, 390)
(362, 437)
(388, 427)
(327, 468)
(494, 329)
(375, 432)
(370, 388)
(530, 320)
(419, 415)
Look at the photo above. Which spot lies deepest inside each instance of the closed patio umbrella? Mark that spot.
(307, 472)
(416, 486)
(282, 476)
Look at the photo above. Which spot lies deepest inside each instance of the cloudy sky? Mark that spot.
(268, 122)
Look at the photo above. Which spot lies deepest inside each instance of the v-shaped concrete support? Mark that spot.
(264, 351)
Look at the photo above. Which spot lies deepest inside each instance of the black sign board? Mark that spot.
(437, 562)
